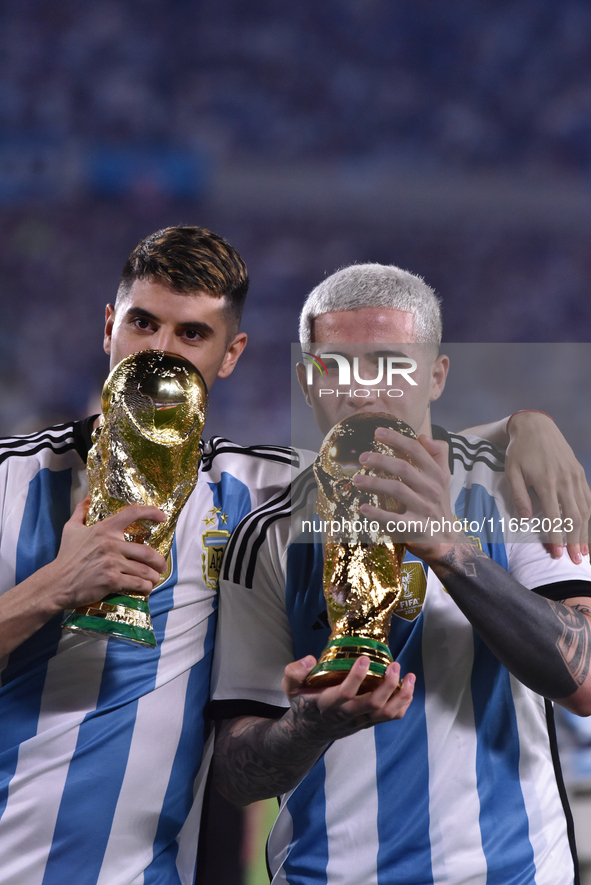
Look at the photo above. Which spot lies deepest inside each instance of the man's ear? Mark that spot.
(301, 373)
(109, 320)
(233, 351)
(439, 371)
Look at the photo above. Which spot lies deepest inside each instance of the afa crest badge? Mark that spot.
(214, 544)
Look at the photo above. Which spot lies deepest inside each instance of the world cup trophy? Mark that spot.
(362, 582)
(145, 451)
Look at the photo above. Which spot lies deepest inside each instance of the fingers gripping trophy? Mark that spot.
(362, 582)
(145, 451)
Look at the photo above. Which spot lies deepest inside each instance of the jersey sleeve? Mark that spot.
(253, 641)
(483, 497)
(533, 566)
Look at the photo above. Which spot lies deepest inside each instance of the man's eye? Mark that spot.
(141, 323)
(331, 365)
(192, 334)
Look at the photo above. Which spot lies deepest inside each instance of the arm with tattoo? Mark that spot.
(545, 644)
(257, 758)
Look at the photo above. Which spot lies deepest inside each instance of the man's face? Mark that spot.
(153, 317)
(368, 334)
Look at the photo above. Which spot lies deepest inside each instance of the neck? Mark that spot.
(426, 424)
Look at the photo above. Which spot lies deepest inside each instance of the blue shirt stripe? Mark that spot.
(233, 497)
(504, 822)
(307, 807)
(477, 505)
(47, 509)
(305, 603)
(97, 768)
(401, 751)
(186, 765)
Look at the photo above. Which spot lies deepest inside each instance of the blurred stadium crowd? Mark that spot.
(467, 82)
(121, 117)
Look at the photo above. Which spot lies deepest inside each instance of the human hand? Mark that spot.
(426, 524)
(326, 714)
(95, 560)
(538, 456)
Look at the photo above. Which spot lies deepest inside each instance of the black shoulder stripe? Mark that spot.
(480, 447)
(483, 452)
(26, 447)
(64, 433)
(469, 463)
(257, 523)
(469, 453)
(218, 445)
(276, 508)
(483, 445)
(280, 504)
(238, 543)
(280, 501)
(256, 544)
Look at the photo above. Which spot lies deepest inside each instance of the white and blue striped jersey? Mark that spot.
(101, 743)
(466, 788)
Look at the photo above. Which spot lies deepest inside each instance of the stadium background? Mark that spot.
(453, 139)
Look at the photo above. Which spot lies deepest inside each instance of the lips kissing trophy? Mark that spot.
(362, 583)
(146, 451)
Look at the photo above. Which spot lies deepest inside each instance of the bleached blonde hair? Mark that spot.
(375, 285)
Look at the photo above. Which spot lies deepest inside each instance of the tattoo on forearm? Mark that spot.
(574, 642)
(257, 758)
(545, 644)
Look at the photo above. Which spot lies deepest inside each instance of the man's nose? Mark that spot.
(362, 397)
(164, 339)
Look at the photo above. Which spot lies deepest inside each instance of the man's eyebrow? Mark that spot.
(386, 351)
(381, 351)
(140, 312)
(204, 328)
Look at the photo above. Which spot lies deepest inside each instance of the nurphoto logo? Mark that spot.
(388, 368)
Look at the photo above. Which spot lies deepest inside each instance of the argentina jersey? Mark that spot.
(466, 788)
(101, 743)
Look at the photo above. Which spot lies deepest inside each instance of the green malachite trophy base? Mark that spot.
(339, 656)
(117, 616)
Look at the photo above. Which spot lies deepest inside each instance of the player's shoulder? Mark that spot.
(48, 445)
(218, 451)
(471, 453)
(269, 524)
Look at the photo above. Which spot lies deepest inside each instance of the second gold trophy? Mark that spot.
(362, 583)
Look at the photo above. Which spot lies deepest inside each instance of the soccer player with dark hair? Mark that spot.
(102, 744)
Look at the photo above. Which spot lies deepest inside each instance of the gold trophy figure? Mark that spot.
(362, 583)
(146, 451)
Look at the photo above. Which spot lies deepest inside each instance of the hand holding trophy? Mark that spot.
(146, 451)
(362, 582)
